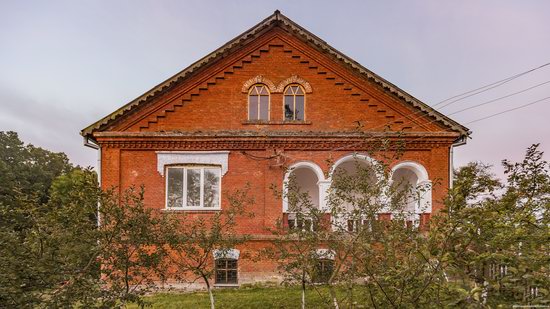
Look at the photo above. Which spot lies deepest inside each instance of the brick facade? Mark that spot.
(207, 108)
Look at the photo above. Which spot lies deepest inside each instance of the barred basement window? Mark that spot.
(258, 103)
(294, 103)
(226, 271)
(323, 270)
(193, 187)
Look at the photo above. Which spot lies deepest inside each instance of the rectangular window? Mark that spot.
(193, 187)
(226, 271)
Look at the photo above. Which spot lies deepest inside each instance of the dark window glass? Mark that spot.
(193, 187)
(226, 271)
(351, 226)
(323, 271)
(299, 107)
(211, 187)
(175, 187)
(264, 107)
(289, 107)
(294, 103)
(258, 103)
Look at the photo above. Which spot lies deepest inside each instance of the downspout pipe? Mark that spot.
(93, 144)
(459, 142)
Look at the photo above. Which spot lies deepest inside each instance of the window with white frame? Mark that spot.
(193, 187)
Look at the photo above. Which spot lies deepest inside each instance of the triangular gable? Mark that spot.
(277, 19)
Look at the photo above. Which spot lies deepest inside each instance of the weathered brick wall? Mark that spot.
(213, 101)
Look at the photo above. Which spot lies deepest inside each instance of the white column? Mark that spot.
(324, 186)
(424, 204)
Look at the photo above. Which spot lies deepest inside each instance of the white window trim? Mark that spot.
(165, 158)
(226, 254)
(184, 185)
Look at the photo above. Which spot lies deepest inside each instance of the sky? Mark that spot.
(66, 64)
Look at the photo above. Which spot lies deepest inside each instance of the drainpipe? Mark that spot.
(459, 142)
(93, 144)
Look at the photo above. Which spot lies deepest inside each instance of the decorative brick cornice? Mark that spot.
(327, 141)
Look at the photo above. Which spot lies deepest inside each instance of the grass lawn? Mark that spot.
(244, 297)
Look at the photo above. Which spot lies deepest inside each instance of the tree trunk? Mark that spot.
(212, 305)
(333, 296)
(485, 292)
(303, 290)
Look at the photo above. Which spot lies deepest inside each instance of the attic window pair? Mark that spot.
(259, 103)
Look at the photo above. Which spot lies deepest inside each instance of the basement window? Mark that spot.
(193, 187)
(323, 270)
(226, 271)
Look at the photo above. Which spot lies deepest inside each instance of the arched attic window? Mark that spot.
(295, 103)
(258, 103)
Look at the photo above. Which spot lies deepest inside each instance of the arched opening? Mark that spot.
(405, 182)
(307, 183)
(357, 195)
(411, 178)
(308, 178)
(303, 194)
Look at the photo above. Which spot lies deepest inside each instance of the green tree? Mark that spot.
(26, 175)
(501, 250)
(26, 170)
(487, 247)
(192, 241)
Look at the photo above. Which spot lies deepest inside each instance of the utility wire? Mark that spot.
(477, 120)
(465, 95)
(500, 98)
(468, 93)
(509, 110)
(487, 87)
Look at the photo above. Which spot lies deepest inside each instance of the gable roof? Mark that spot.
(276, 19)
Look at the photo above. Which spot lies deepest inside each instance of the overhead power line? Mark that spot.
(500, 98)
(470, 93)
(509, 110)
(490, 86)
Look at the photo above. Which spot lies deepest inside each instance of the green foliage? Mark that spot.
(52, 253)
(130, 248)
(501, 246)
(27, 171)
(488, 247)
(28, 262)
(191, 241)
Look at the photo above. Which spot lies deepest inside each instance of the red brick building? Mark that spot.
(275, 97)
